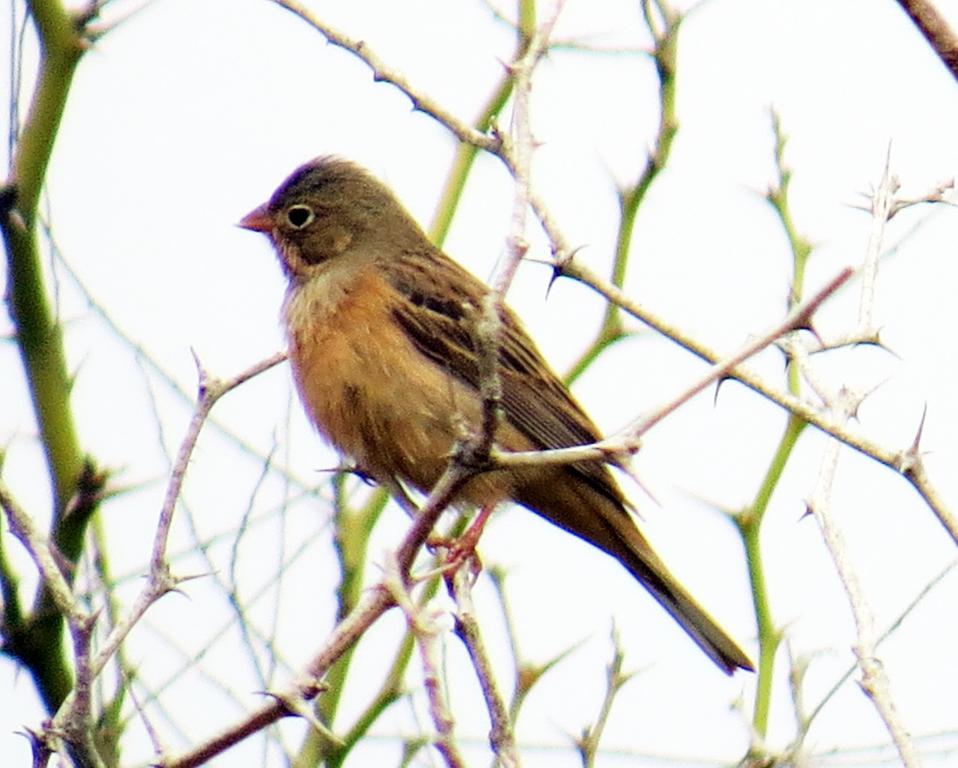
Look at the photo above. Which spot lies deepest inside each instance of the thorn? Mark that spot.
(175, 581)
(921, 428)
(556, 274)
(911, 456)
(86, 623)
(39, 745)
(854, 406)
(627, 468)
(67, 567)
(864, 396)
(559, 264)
(507, 66)
(880, 343)
(296, 707)
(718, 385)
(810, 327)
(203, 377)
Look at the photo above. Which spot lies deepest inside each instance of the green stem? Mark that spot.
(750, 527)
(38, 332)
(353, 528)
(750, 521)
(630, 200)
(462, 164)
(466, 154)
(37, 643)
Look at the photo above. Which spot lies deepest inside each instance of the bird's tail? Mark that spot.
(603, 521)
(646, 566)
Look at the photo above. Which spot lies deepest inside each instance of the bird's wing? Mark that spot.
(440, 310)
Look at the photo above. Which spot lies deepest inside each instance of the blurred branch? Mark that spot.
(351, 531)
(42, 554)
(37, 641)
(933, 26)
(588, 742)
(526, 674)
(918, 599)
(76, 730)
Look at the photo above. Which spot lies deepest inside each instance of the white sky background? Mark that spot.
(190, 113)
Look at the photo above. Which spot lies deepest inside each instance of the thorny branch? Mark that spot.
(469, 630)
(901, 461)
(627, 442)
(843, 406)
(515, 154)
(377, 601)
(425, 629)
(906, 462)
(72, 719)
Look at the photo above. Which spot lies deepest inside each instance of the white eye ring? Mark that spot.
(299, 216)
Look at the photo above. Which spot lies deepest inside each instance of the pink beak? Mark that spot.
(257, 220)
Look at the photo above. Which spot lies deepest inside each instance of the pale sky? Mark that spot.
(190, 113)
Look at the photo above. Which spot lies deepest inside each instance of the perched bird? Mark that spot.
(383, 344)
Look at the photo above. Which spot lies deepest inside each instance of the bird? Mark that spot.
(383, 343)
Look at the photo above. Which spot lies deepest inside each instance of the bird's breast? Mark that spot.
(367, 388)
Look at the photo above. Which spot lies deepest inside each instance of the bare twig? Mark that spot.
(37, 544)
(425, 630)
(75, 710)
(916, 601)
(160, 580)
(381, 71)
(844, 405)
(75, 730)
(378, 600)
(210, 390)
(904, 462)
(492, 142)
(874, 680)
(516, 152)
(588, 742)
(882, 202)
(626, 442)
(501, 735)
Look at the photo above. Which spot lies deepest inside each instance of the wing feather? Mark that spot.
(440, 311)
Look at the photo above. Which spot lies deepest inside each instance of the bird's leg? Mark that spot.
(463, 549)
(467, 542)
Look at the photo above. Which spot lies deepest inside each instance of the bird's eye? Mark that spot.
(299, 215)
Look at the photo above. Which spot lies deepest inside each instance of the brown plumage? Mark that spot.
(382, 337)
